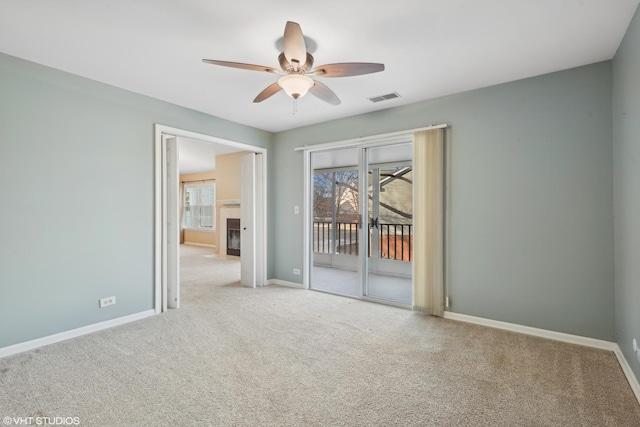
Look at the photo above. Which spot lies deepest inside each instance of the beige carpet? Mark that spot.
(277, 356)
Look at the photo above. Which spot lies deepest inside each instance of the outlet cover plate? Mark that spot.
(107, 301)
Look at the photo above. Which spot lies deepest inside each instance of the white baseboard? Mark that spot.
(543, 333)
(557, 336)
(624, 364)
(285, 283)
(62, 336)
(204, 245)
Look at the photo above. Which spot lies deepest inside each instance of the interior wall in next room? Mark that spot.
(227, 179)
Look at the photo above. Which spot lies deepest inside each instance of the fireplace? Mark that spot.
(233, 236)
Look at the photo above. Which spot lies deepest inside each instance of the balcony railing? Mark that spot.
(395, 240)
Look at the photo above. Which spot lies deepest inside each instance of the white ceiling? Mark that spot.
(198, 156)
(430, 47)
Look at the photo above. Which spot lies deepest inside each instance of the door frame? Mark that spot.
(250, 212)
(170, 211)
(160, 206)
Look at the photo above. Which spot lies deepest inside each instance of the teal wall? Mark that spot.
(76, 177)
(532, 195)
(626, 154)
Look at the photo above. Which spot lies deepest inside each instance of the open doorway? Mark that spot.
(201, 183)
(209, 213)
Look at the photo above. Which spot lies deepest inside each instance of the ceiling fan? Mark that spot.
(296, 64)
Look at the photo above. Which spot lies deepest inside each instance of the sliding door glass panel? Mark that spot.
(323, 213)
(347, 212)
(336, 213)
(390, 226)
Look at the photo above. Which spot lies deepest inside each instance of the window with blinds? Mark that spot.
(199, 207)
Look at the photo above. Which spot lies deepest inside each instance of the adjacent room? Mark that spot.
(209, 213)
(359, 213)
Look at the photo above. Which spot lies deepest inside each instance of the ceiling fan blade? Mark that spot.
(242, 66)
(347, 69)
(324, 93)
(307, 65)
(270, 90)
(295, 49)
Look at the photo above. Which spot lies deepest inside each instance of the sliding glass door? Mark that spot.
(361, 229)
(390, 232)
(336, 222)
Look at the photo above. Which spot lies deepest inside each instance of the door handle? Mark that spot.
(374, 222)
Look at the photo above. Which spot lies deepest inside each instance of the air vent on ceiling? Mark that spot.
(384, 97)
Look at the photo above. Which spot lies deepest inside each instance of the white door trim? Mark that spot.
(248, 213)
(370, 141)
(170, 224)
(160, 203)
(307, 220)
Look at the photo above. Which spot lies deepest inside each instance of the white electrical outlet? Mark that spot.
(107, 301)
(635, 345)
(296, 271)
(296, 210)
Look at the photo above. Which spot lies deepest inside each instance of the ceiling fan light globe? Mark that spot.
(295, 85)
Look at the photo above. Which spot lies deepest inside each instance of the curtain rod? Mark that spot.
(365, 139)
(198, 180)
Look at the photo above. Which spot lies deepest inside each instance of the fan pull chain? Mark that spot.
(295, 106)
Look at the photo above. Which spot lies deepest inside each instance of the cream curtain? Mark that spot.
(428, 221)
